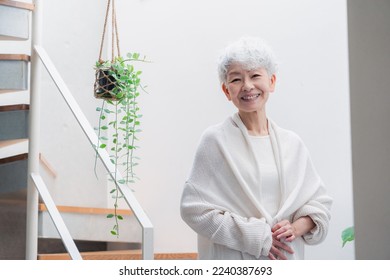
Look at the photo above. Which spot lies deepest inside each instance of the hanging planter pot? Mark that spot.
(118, 85)
(114, 80)
(105, 82)
(108, 73)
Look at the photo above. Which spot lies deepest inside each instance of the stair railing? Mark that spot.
(56, 217)
(36, 183)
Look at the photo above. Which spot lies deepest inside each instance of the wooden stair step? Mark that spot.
(15, 20)
(14, 121)
(13, 158)
(119, 255)
(56, 246)
(13, 173)
(17, 4)
(16, 57)
(86, 210)
(9, 148)
(96, 221)
(13, 71)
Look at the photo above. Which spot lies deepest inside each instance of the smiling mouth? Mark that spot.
(250, 97)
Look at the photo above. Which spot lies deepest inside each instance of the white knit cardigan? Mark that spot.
(218, 204)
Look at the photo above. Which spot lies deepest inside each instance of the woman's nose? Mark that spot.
(248, 85)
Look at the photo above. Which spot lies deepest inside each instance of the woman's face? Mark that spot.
(248, 89)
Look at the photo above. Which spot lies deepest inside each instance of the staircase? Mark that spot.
(14, 25)
(14, 140)
(94, 242)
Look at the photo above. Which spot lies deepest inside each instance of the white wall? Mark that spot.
(71, 37)
(182, 39)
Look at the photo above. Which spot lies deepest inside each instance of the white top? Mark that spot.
(218, 202)
(269, 193)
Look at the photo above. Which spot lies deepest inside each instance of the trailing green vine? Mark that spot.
(119, 84)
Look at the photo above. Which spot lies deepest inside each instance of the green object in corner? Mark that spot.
(348, 235)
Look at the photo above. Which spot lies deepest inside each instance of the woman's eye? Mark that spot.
(256, 75)
(235, 80)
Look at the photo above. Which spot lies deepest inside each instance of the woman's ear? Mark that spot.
(273, 82)
(226, 91)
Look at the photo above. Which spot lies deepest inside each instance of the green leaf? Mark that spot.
(113, 190)
(347, 235)
(98, 109)
(102, 146)
(104, 127)
(120, 217)
(119, 96)
(113, 232)
(110, 216)
(121, 181)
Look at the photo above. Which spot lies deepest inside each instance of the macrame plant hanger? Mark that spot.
(104, 82)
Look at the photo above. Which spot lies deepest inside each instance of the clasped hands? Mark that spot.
(282, 232)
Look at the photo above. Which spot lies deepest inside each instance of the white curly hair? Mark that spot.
(251, 53)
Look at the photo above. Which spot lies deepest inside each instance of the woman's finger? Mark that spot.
(277, 253)
(286, 248)
(279, 225)
(290, 239)
(285, 234)
(271, 256)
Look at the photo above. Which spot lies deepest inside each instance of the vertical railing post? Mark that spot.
(147, 243)
(34, 130)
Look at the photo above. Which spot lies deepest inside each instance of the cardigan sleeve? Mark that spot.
(317, 205)
(318, 209)
(248, 235)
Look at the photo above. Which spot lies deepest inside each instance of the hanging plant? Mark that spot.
(113, 79)
(118, 84)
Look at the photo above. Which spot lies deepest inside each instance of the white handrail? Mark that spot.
(56, 217)
(147, 227)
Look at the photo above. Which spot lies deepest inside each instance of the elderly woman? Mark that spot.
(253, 192)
